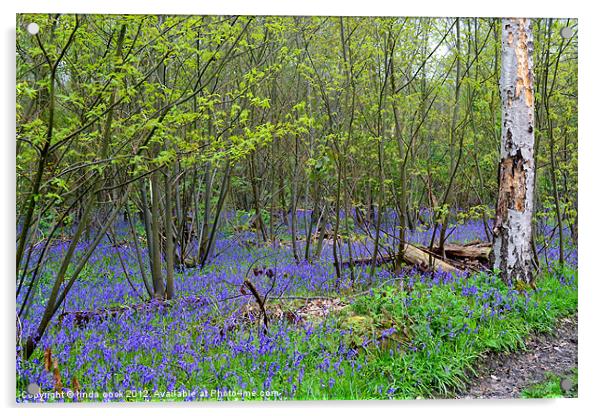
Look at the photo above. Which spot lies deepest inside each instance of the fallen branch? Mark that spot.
(260, 302)
(473, 256)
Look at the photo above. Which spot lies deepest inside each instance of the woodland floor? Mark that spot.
(505, 375)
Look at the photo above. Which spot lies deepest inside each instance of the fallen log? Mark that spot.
(414, 256)
(462, 263)
(478, 251)
(418, 257)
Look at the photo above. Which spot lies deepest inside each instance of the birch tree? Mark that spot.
(512, 229)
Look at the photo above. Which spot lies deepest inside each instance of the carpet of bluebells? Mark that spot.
(194, 351)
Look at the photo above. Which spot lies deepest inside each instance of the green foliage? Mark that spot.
(249, 105)
(475, 212)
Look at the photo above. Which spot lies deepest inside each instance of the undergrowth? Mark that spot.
(421, 340)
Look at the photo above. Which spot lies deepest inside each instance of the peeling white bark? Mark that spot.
(512, 230)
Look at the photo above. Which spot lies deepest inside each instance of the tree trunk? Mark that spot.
(512, 230)
(294, 200)
(169, 240)
(158, 284)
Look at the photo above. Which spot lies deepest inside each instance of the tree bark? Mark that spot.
(514, 211)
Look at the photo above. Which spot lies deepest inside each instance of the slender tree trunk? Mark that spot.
(146, 219)
(294, 201)
(553, 165)
(452, 141)
(147, 285)
(403, 156)
(335, 232)
(204, 234)
(348, 231)
(259, 224)
(158, 284)
(225, 187)
(314, 215)
(282, 193)
(169, 240)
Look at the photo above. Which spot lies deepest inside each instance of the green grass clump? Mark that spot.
(552, 387)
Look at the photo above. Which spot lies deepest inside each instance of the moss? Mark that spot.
(522, 286)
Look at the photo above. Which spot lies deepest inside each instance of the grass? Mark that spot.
(554, 386)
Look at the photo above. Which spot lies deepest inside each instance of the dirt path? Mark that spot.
(505, 375)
